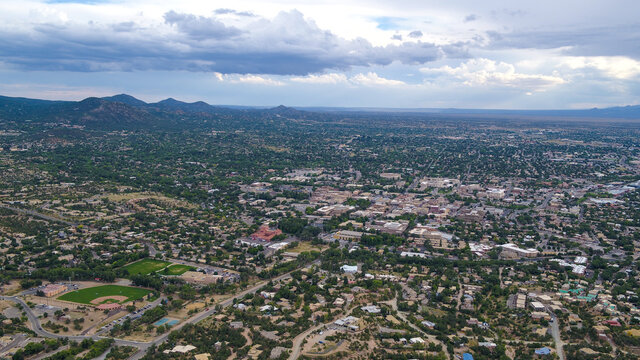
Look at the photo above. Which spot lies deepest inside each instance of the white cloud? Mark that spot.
(486, 72)
(286, 48)
(218, 76)
(372, 79)
(256, 80)
(619, 67)
(55, 91)
(331, 78)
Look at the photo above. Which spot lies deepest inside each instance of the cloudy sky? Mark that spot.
(374, 53)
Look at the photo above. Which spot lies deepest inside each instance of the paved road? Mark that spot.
(358, 176)
(431, 338)
(15, 342)
(555, 332)
(37, 214)
(143, 346)
(37, 327)
(205, 266)
(152, 305)
(152, 249)
(297, 341)
(46, 355)
(203, 315)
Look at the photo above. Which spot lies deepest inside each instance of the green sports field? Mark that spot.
(85, 296)
(176, 269)
(146, 266)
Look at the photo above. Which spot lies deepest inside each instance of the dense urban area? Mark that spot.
(186, 231)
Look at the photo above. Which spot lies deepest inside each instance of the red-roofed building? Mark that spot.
(614, 323)
(264, 233)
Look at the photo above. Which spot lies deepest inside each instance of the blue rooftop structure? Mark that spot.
(543, 351)
(467, 356)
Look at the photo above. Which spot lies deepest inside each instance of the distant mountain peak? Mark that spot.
(286, 111)
(172, 104)
(125, 99)
(170, 100)
(92, 100)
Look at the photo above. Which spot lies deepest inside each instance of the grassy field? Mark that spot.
(146, 266)
(84, 296)
(176, 269)
(306, 246)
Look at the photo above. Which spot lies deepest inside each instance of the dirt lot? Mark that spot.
(86, 320)
(143, 196)
(11, 288)
(315, 348)
(306, 246)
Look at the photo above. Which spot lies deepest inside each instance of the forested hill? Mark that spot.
(126, 112)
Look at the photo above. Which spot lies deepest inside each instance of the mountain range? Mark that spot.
(125, 111)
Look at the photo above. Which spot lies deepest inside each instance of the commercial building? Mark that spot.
(52, 290)
(334, 210)
(389, 227)
(512, 251)
(347, 235)
(349, 269)
(537, 306)
(265, 233)
(196, 277)
(537, 315)
(371, 309)
(391, 176)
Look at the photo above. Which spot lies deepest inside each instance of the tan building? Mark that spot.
(540, 315)
(52, 290)
(196, 277)
(347, 235)
(391, 176)
(512, 251)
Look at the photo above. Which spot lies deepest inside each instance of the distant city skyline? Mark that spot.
(399, 54)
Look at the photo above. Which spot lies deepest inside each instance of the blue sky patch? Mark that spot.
(389, 23)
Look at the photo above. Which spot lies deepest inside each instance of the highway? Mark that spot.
(37, 214)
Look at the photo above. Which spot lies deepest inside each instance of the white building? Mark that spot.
(371, 309)
(513, 251)
(349, 269)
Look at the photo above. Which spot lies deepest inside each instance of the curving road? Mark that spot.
(37, 214)
(203, 315)
(143, 346)
(297, 341)
(37, 327)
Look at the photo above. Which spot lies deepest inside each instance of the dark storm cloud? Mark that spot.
(200, 27)
(124, 26)
(233, 12)
(286, 45)
(470, 18)
(597, 41)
